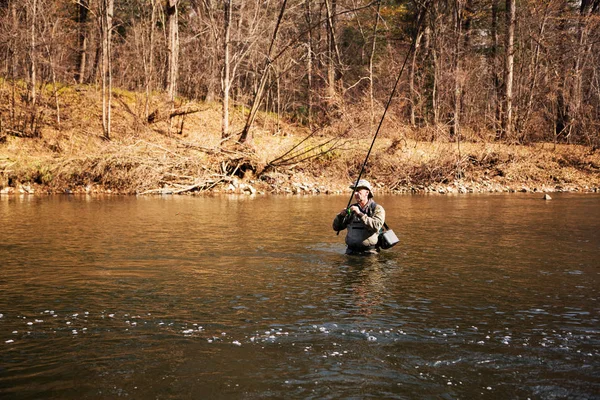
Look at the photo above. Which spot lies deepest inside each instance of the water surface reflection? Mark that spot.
(485, 297)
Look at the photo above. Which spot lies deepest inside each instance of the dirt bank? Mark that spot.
(186, 155)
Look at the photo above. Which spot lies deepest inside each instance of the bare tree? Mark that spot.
(263, 79)
(534, 68)
(459, 6)
(476, 70)
(333, 52)
(148, 55)
(82, 20)
(32, 51)
(172, 13)
(582, 55)
(511, 20)
(12, 50)
(371, 61)
(226, 72)
(309, 62)
(496, 77)
(436, 29)
(106, 17)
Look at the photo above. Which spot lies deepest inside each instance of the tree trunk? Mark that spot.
(371, 60)
(333, 54)
(411, 77)
(432, 30)
(523, 119)
(309, 63)
(509, 69)
(497, 81)
(83, 8)
(172, 14)
(467, 22)
(278, 105)
(149, 61)
(581, 51)
(32, 54)
(13, 61)
(52, 66)
(173, 52)
(263, 79)
(214, 62)
(225, 78)
(458, 16)
(562, 117)
(106, 16)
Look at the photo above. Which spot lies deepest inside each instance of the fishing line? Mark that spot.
(387, 106)
(410, 50)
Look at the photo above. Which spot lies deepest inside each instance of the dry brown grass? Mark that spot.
(143, 157)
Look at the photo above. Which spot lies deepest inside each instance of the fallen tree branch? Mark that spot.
(209, 150)
(156, 116)
(199, 186)
(20, 134)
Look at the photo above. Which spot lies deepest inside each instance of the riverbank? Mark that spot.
(186, 155)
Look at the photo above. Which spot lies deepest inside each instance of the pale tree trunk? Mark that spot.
(32, 53)
(333, 54)
(371, 61)
(206, 10)
(149, 59)
(52, 66)
(225, 78)
(434, 87)
(432, 30)
(458, 16)
(13, 60)
(278, 125)
(263, 79)
(82, 19)
(411, 80)
(172, 14)
(106, 16)
(497, 81)
(309, 62)
(467, 22)
(582, 53)
(524, 116)
(509, 69)
(562, 121)
(459, 8)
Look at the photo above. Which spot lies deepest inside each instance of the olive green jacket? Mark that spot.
(362, 232)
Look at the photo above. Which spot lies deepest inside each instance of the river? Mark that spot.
(487, 296)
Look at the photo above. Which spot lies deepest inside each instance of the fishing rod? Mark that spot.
(387, 106)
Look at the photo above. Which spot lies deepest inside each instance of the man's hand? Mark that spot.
(356, 210)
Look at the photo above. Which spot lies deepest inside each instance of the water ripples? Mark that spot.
(257, 316)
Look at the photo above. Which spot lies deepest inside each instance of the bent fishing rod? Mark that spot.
(392, 94)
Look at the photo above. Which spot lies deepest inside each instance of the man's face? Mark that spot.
(361, 195)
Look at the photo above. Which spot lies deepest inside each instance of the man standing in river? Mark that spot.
(363, 220)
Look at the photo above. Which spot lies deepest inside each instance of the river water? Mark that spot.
(486, 296)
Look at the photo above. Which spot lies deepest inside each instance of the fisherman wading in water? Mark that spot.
(363, 220)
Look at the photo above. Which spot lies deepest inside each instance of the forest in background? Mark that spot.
(497, 73)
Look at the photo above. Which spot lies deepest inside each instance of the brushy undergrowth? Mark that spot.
(186, 154)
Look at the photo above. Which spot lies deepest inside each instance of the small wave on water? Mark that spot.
(380, 349)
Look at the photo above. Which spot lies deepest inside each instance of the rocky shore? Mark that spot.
(258, 188)
(291, 186)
